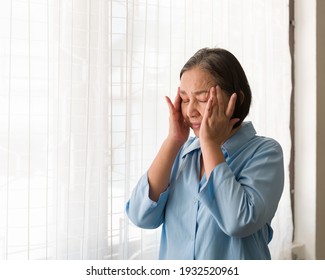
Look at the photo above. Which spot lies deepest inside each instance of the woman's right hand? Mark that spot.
(178, 128)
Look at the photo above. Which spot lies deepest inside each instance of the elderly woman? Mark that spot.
(214, 194)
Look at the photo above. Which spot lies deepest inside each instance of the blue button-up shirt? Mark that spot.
(227, 216)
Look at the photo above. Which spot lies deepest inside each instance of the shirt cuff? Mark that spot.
(144, 190)
(219, 173)
(143, 211)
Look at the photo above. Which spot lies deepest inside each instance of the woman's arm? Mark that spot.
(145, 207)
(216, 128)
(160, 169)
(244, 203)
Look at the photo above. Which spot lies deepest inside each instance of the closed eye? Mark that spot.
(185, 101)
(203, 99)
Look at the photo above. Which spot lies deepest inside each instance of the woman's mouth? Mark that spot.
(195, 125)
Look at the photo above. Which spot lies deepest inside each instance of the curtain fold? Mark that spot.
(82, 86)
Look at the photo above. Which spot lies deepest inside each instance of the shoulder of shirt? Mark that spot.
(266, 143)
(246, 139)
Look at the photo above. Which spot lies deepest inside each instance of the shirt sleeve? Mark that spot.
(141, 210)
(243, 204)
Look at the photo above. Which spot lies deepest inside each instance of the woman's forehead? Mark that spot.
(196, 81)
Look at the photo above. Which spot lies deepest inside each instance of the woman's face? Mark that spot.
(195, 92)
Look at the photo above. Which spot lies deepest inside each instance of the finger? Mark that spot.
(170, 105)
(210, 108)
(213, 94)
(178, 100)
(231, 105)
(221, 102)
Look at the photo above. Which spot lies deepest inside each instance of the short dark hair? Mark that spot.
(228, 74)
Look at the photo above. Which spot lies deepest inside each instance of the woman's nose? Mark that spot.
(192, 110)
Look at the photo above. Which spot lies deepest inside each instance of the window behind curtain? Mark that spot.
(82, 86)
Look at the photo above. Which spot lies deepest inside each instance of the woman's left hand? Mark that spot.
(217, 123)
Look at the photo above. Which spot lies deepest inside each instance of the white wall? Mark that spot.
(309, 124)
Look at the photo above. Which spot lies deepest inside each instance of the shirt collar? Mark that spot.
(242, 136)
(191, 145)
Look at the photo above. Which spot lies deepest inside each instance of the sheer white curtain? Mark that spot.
(54, 130)
(82, 86)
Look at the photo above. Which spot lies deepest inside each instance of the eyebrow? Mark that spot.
(197, 92)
